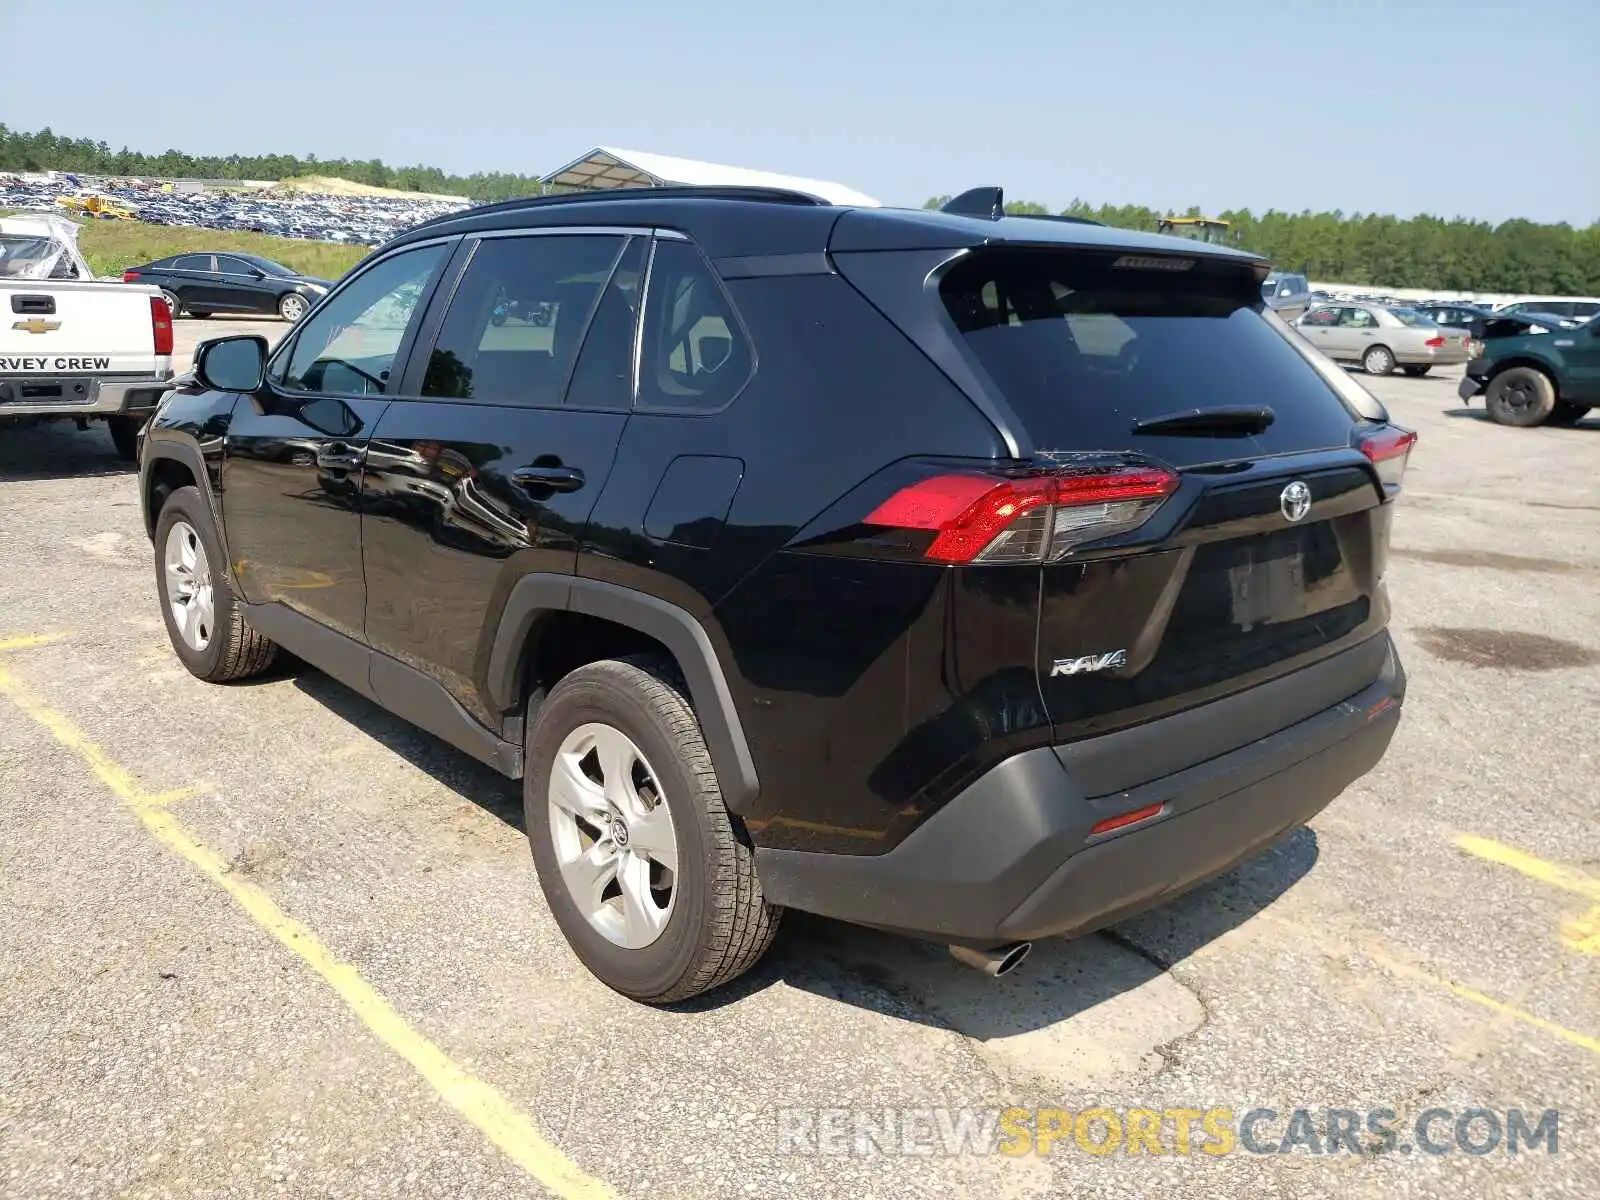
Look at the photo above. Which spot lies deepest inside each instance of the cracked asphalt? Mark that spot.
(260, 1022)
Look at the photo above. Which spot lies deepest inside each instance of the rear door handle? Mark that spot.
(336, 456)
(552, 479)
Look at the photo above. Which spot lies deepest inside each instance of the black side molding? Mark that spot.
(401, 689)
(536, 596)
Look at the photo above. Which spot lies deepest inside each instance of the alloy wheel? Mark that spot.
(190, 596)
(613, 835)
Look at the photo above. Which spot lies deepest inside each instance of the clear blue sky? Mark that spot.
(1402, 106)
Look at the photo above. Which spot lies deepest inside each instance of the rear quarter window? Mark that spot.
(1082, 349)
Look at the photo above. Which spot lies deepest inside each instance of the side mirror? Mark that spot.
(232, 364)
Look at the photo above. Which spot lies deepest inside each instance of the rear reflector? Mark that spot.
(1031, 518)
(1388, 448)
(161, 324)
(1126, 819)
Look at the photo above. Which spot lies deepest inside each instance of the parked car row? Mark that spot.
(368, 220)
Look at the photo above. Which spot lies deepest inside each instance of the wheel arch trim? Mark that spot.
(536, 596)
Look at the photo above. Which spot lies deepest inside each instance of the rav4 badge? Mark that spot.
(1089, 662)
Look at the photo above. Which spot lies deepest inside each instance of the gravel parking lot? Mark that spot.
(269, 940)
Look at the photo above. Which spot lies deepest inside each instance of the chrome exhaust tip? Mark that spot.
(995, 961)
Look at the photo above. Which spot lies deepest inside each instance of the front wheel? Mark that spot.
(203, 617)
(1417, 371)
(651, 880)
(1520, 396)
(292, 307)
(1378, 360)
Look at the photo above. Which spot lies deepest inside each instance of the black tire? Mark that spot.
(1520, 396)
(1567, 413)
(1417, 371)
(720, 923)
(235, 651)
(1378, 360)
(125, 436)
(173, 302)
(293, 303)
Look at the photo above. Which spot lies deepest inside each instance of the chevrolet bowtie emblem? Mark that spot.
(36, 325)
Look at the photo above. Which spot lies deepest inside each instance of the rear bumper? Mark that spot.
(1012, 857)
(81, 397)
(1445, 356)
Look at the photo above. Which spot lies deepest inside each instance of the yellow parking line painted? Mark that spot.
(1497, 1006)
(1581, 935)
(1534, 868)
(32, 640)
(479, 1102)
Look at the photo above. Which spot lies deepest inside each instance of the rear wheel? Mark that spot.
(649, 877)
(173, 303)
(1566, 412)
(1378, 360)
(292, 307)
(1417, 371)
(125, 436)
(1520, 396)
(203, 617)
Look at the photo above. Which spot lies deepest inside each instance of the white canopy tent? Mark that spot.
(609, 167)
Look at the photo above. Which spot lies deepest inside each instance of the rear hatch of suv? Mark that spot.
(1202, 496)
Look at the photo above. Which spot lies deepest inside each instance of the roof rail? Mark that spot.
(764, 195)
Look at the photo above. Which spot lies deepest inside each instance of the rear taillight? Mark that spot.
(1033, 518)
(1387, 449)
(161, 324)
(1435, 341)
(130, 277)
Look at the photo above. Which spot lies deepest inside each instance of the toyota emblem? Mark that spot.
(1295, 501)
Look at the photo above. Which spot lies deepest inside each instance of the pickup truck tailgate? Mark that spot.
(50, 327)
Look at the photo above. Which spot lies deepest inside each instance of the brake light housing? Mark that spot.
(161, 325)
(1435, 341)
(1388, 449)
(982, 518)
(130, 277)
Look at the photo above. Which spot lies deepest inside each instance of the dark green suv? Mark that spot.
(1532, 374)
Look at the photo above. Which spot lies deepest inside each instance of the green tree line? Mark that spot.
(46, 151)
(1383, 251)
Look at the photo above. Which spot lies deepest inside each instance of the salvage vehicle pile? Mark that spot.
(281, 212)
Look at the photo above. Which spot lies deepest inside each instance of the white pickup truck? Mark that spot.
(73, 348)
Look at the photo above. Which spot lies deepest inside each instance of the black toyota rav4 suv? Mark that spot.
(978, 577)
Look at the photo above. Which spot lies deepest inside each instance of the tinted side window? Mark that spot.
(234, 266)
(603, 377)
(350, 345)
(192, 262)
(517, 317)
(1323, 316)
(695, 353)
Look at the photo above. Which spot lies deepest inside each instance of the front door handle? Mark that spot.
(336, 456)
(550, 479)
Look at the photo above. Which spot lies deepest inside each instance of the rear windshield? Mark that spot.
(1081, 349)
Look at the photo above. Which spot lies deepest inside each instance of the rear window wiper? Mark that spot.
(1224, 420)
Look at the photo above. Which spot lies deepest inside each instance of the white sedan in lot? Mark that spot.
(1381, 339)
